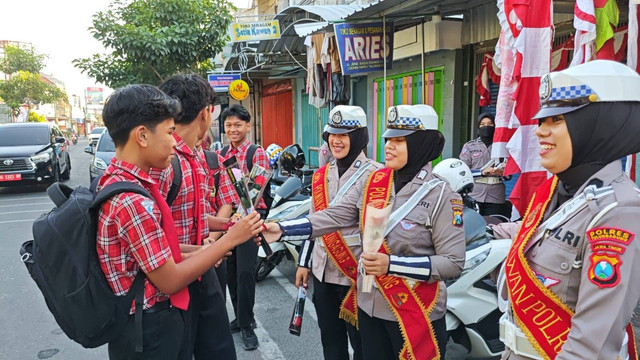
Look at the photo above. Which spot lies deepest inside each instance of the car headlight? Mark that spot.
(99, 164)
(41, 157)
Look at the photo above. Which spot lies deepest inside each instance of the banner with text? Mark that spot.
(220, 83)
(361, 46)
(255, 31)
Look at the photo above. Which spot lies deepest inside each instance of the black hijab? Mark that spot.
(422, 146)
(359, 138)
(600, 134)
(486, 132)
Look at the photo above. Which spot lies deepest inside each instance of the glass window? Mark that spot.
(24, 136)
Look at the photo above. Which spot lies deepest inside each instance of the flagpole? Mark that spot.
(422, 65)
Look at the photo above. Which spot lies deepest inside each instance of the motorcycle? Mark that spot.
(291, 200)
(472, 298)
(74, 139)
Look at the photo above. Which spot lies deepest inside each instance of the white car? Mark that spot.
(95, 135)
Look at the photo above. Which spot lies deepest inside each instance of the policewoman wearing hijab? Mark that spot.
(488, 188)
(403, 315)
(572, 272)
(334, 258)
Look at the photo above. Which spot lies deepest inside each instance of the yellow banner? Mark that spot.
(255, 31)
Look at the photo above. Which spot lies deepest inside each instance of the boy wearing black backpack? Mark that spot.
(189, 194)
(242, 262)
(137, 232)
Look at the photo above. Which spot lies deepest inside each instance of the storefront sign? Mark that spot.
(220, 83)
(239, 89)
(255, 31)
(361, 46)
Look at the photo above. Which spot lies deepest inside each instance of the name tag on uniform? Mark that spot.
(352, 240)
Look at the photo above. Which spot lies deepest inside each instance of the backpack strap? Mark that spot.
(138, 289)
(177, 180)
(250, 152)
(59, 193)
(223, 151)
(212, 162)
(114, 189)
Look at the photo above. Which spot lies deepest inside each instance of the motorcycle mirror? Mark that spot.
(289, 188)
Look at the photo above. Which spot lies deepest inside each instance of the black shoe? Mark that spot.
(249, 339)
(233, 326)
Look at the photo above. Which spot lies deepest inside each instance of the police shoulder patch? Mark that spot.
(148, 205)
(609, 234)
(457, 216)
(604, 270)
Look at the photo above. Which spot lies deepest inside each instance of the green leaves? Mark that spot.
(27, 88)
(150, 40)
(17, 58)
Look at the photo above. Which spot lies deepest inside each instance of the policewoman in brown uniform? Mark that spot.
(403, 315)
(572, 273)
(488, 188)
(334, 258)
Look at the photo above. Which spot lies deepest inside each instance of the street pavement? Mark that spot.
(29, 331)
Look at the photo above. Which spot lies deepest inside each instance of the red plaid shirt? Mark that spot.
(259, 158)
(129, 234)
(224, 193)
(183, 207)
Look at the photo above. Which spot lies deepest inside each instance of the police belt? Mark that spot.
(489, 180)
(519, 344)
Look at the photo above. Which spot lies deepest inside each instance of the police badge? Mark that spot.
(545, 87)
(393, 114)
(336, 118)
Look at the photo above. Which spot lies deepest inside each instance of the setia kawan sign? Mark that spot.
(255, 31)
(362, 47)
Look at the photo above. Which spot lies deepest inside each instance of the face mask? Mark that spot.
(486, 132)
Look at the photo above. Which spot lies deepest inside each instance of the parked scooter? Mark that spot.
(472, 302)
(290, 200)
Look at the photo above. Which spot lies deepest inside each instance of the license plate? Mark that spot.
(10, 177)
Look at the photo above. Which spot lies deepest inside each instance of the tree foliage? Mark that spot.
(21, 59)
(27, 88)
(35, 117)
(150, 40)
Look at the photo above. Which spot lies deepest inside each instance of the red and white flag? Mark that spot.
(531, 26)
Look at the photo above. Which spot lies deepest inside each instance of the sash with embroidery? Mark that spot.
(411, 306)
(337, 248)
(540, 314)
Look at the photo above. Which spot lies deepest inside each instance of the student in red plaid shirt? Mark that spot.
(242, 262)
(136, 232)
(206, 338)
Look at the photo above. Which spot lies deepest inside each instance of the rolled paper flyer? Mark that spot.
(375, 224)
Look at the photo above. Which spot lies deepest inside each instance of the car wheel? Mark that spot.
(66, 175)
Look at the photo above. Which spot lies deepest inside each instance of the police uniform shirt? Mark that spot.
(592, 270)
(476, 155)
(323, 268)
(444, 243)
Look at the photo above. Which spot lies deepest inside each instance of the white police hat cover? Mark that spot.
(568, 90)
(403, 120)
(346, 118)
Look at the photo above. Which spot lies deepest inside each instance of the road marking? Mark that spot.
(47, 203)
(15, 221)
(21, 212)
(293, 291)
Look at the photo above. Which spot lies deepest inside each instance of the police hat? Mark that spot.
(345, 118)
(568, 90)
(403, 120)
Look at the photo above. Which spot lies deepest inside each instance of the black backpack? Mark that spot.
(266, 196)
(211, 158)
(63, 261)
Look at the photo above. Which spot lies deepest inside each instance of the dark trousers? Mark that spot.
(161, 336)
(207, 335)
(221, 273)
(242, 285)
(334, 331)
(382, 339)
(488, 209)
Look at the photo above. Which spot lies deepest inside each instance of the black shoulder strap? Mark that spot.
(212, 159)
(223, 151)
(250, 152)
(177, 180)
(59, 193)
(111, 190)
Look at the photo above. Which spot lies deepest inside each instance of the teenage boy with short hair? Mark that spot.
(207, 337)
(130, 236)
(242, 262)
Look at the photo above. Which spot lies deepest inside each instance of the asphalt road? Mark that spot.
(28, 330)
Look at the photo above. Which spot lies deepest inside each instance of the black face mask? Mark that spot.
(486, 134)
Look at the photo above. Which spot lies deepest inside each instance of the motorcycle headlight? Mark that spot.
(99, 164)
(41, 158)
